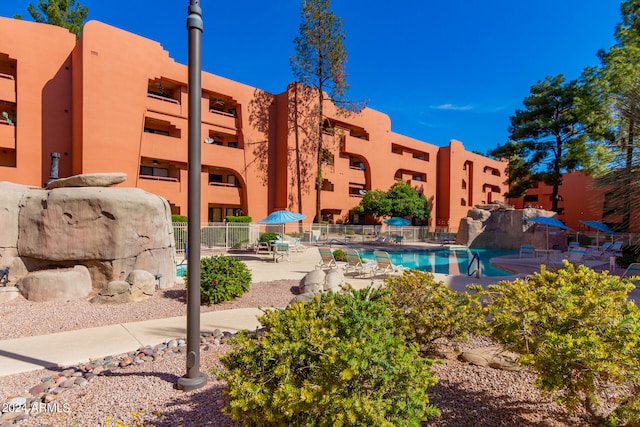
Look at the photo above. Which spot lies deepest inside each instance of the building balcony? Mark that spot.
(158, 146)
(7, 88)
(219, 118)
(222, 193)
(164, 104)
(165, 186)
(357, 146)
(231, 158)
(7, 135)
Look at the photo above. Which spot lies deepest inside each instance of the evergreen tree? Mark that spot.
(616, 86)
(67, 14)
(547, 138)
(319, 63)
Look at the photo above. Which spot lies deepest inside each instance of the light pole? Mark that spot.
(194, 378)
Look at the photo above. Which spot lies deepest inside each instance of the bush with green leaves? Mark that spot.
(268, 237)
(339, 255)
(222, 278)
(579, 331)
(242, 219)
(179, 218)
(427, 310)
(334, 361)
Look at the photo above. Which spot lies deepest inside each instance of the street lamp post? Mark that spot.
(194, 378)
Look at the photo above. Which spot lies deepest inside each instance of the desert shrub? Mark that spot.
(243, 219)
(334, 361)
(222, 278)
(268, 236)
(338, 254)
(427, 310)
(178, 218)
(579, 331)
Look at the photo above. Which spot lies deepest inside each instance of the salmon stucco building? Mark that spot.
(113, 101)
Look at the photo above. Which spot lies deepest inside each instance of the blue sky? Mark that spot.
(455, 69)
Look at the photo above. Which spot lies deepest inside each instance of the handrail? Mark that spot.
(342, 242)
(476, 258)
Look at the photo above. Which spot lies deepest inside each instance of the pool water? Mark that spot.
(452, 261)
(181, 270)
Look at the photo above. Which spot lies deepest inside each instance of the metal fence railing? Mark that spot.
(230, 235)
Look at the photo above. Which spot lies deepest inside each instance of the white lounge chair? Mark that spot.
(327, 260)
(355, 264)
(384, 265)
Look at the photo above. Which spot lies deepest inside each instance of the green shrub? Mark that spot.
(427, 310)
(244, 219)
(178, 218)
(268, 237)
(339, 255)
(334, 361)
(222, 278)
(579, 331)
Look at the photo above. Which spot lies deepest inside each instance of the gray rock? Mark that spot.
(306, 297)
(493, 356)
(333, 280)
(312, 282)
(56, 285)
(104, 179)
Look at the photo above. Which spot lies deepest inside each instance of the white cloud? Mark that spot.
(452, 107)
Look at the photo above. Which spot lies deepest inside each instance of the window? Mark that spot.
(229, 212)
(215, 178)
(231, 180)
(153, 171)
(233, 144)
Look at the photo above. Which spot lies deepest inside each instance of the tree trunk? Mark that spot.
(626, 212)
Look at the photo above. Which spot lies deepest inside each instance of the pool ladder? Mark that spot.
(476, 272)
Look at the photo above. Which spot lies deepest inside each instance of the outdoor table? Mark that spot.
(548, 253)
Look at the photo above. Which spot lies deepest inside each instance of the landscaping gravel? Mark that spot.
(467, 395)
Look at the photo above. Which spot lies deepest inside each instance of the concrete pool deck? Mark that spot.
(73, 347)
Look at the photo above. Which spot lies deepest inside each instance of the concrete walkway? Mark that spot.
(73, 347)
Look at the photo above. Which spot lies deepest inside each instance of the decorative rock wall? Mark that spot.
(508, 229)
(110, 231)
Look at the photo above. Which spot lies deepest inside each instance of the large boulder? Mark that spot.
(10, 198)
(139, 285)
(89, 180)
(507, 229)
(111, 230)
(56, 285)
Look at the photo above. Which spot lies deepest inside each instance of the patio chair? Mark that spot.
(355, 264)
(384, 265)
(527, 250)
(327, 259)
(633, 270)
(574, 255)
(263, 247)
(281, 251)
(295, 244)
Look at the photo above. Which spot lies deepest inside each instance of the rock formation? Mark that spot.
(110, 231)
(499, 228)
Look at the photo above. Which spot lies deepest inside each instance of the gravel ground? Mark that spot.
(467, 395)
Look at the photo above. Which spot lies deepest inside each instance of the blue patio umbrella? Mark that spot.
(397, 221)
(281, 217)
(599, 226)
(549, 222)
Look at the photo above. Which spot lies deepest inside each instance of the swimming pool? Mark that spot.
(452, 261)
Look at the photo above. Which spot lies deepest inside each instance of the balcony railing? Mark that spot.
(162, 98)
(159, 178)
